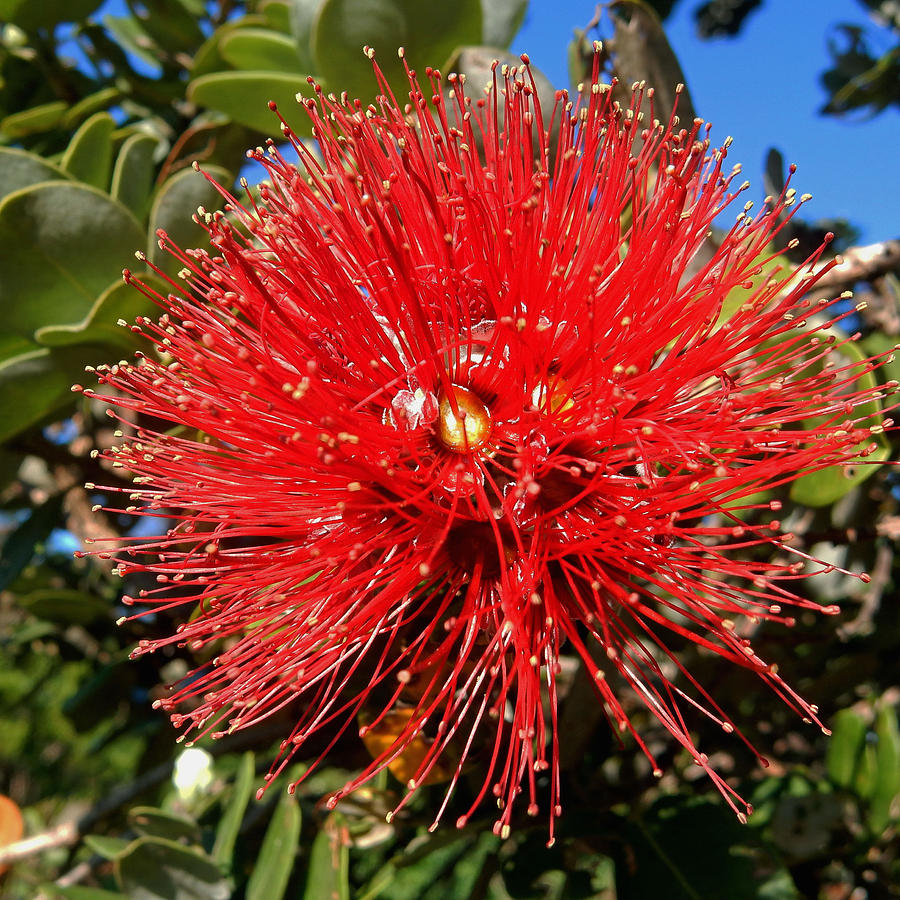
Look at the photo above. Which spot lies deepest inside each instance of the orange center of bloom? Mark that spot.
(467, 427)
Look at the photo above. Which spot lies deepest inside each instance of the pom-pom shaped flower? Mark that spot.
(444, 401)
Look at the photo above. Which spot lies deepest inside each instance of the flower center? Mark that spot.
(469, 426)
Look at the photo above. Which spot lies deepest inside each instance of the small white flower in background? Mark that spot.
(193, 773)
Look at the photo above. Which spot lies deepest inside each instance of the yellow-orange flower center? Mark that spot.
(466, 428)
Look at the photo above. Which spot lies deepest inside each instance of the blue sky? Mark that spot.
(763, 89)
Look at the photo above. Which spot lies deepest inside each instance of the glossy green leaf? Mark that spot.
(501, 21)
(63, 245)
(262, 49)
(93, 103)
(19, 169)
(157, 869)
(208, 57)
(174, 205)
(100, 324)
(826, 486)
(272, 871)
(278, 14)
(22, 542)
(65, 606)
(303, 18)
(35, 120)
(343, 27)
(134, 174)
(106, 846)
(845, 746)
(48, 375)
(884, 806)
(153, 822)
(328, 877)
(88, 157)
(233, 814)
(244, 98)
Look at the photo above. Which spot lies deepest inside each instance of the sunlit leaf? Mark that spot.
(93, 103)
(88, 157)
(233, 815)
(34, 120)
(244, 98)
(19, 169)
(260, 48)
(343, 27)
(63, 245)
(273, 867)
(328, 877)
(133, 174)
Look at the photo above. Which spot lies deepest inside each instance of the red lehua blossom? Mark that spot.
(450, 401)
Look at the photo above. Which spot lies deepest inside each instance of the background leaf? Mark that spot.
(343, 27)
(273, 867)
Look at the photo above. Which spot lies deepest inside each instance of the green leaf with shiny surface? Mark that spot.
(328, 877)
(36, 385)
(133, 174)
(262, 49)
(19, 169)
(243, 97)
(233, 815)
(343, 27)
(303, 20)
(278, 14)
(35, 120)
(275, 862)
(88, 157)
(63, 245)
(99, 326)
(93, 103)
(174, 205)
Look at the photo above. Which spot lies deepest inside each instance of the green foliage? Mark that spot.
(276, 856)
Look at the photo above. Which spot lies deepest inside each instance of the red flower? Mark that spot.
(449, 402)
